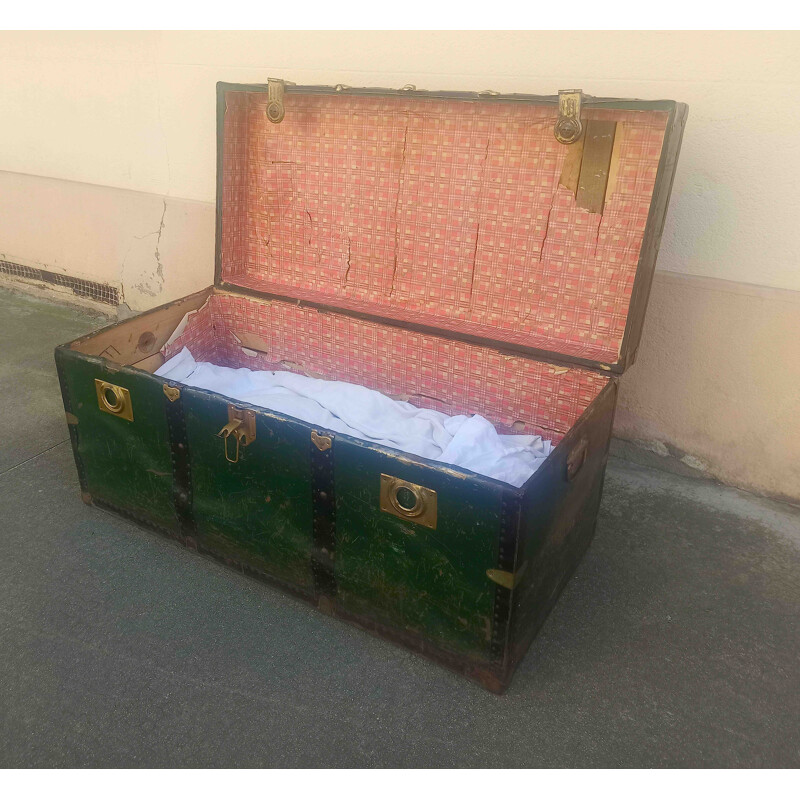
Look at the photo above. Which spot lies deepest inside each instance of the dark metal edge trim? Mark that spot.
(508, 542)
(73, 429)
(648, 254)
(221, 106)
(485, 96)
(181, 465)
(323, 506)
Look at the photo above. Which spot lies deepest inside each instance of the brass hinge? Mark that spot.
(275, 107)
(569, 127)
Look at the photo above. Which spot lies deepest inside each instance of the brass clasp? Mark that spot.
(242, 425)
(569, 127)
(275, 107)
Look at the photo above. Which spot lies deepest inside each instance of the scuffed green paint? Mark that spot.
(126, 464)
(258, 510)
(431, 582)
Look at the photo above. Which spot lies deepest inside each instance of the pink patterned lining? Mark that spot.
(517, 394)
(441, 212)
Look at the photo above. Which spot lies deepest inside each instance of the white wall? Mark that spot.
(136, 111)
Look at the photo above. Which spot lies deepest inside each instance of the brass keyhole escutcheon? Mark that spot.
(114, 400)
(408, 501)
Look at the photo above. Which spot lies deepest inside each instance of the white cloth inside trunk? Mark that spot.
(462, 441)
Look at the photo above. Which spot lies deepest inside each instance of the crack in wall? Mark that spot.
(154, 283)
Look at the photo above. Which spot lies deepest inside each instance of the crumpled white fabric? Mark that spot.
(468, 442)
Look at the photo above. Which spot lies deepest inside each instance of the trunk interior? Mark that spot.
(515, 393)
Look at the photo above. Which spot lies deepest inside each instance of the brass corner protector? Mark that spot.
(321, 441)
(172, 392)
(508, 580)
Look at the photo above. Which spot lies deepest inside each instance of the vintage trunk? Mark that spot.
(472, 253)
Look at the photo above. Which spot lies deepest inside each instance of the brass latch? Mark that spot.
(569, 127)
(275, 108)
(242, 425)
(408, 501)
(114, 400)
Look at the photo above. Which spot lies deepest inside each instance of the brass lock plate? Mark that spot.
(408, 501)
(114, 400)
(246, 430)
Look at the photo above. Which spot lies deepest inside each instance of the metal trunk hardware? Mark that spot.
(321, 442)
(568, 125)
(275, 108)
(577, 458)
(114, 400)
(172, 393)
(408, 501)
(242, 425)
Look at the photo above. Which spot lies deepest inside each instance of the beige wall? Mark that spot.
(107, 147)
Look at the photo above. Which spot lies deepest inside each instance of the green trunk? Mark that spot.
(258, 510)
(429, 581)
(125, 464)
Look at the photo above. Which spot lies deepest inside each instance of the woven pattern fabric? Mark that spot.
(440, 212)
(515, 393)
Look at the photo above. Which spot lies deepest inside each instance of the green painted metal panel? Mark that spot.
(126, 464)
(429, 581)
(258, 510)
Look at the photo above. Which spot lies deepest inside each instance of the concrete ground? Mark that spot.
(675, 644)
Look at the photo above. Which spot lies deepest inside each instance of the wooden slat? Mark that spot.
(613, 168)
(597, 148)
(136, 339)
(151, 363)
(571, 170)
